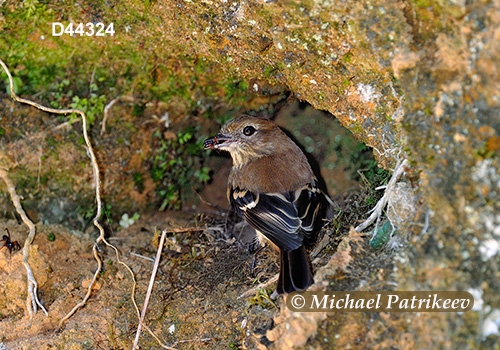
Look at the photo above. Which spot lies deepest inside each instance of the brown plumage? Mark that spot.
(272, 186)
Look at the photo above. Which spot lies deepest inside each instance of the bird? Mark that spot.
(272, 186)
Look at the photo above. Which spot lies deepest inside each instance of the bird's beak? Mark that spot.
(214, 142)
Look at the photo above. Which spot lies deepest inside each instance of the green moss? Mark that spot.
(51, 142)
(25, 181)
(423, 3)
(347, 57)
(356, 129)
(484, 152)
(138, 109)
(138, 179)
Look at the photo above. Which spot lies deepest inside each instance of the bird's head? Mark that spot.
(248, 138)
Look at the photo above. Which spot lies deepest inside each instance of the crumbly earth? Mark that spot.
(193, 288)
(200, 298)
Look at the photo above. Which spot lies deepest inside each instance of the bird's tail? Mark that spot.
(295, 271)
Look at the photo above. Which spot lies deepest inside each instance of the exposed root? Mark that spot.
(32, 300)
(108, 108)
(148, 295)
(376, 211)
(106, 112)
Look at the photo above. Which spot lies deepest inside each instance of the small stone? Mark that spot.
(86, 283)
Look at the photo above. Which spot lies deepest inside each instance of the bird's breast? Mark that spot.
(278, 173)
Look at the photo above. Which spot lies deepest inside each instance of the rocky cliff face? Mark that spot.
(416, 80)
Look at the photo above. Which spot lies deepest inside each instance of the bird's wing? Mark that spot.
(310, 203)
(285, 219)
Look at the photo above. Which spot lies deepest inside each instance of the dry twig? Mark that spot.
(150, 288)
(148, 295)
(261, 285)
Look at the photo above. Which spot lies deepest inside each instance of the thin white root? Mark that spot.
(141, 256)
(376, 212)
(148, 295)
(32, 286)
(32, 300)
(108, 108)
(106, 112)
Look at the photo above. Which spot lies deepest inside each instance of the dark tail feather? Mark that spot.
(295, 271)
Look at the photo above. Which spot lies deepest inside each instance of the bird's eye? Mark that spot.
(249, 130)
